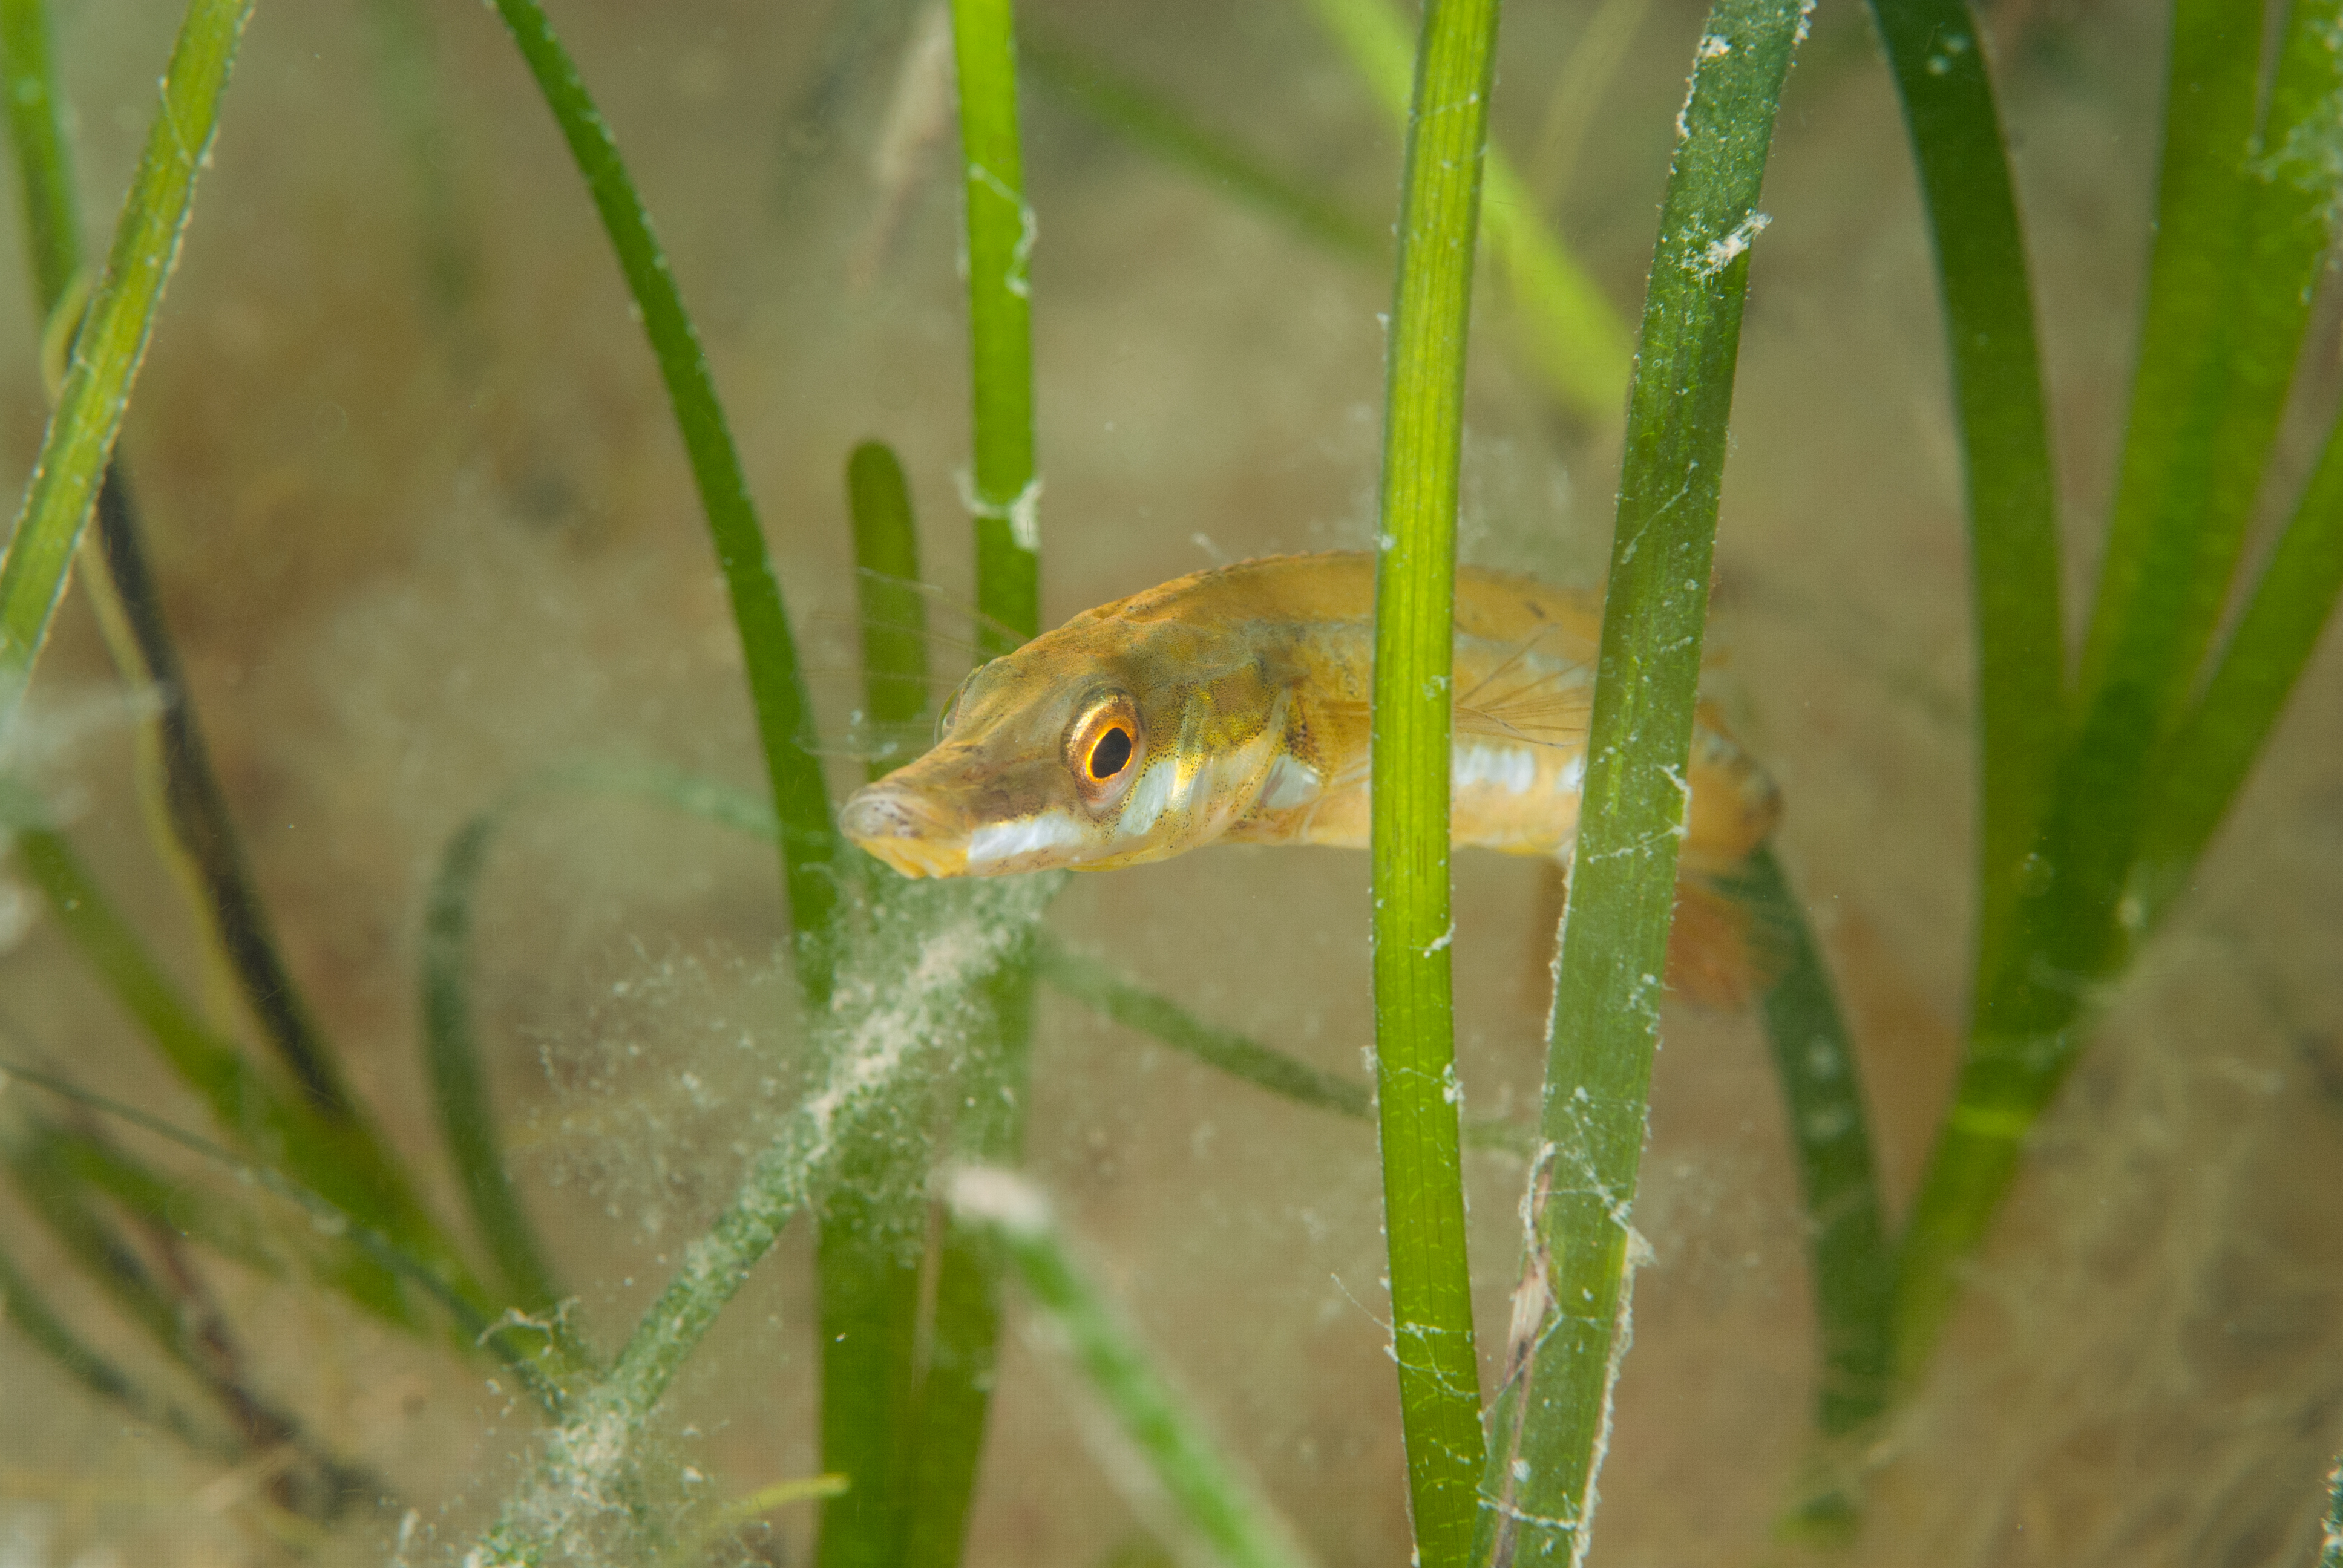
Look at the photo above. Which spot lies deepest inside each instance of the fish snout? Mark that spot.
(904, 830)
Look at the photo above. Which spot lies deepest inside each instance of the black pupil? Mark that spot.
(1112, 750)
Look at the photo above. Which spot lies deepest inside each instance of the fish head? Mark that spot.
(1093, 747)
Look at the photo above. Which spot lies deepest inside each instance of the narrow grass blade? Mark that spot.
(113, 341)
(238, 1099)
(36, 131)
(915, 1002)
(1096, 986)
(955, 1396)
(1941, 75)
(1154, 123)
(2238, 238)
(517, 1342)
(183, 1208)
(1575, 337)
(326, 1257)
(1416, 619)
(33, 1317)
(694, 1548)
(2240, 232)
(1838, 1176)
(2242, 226)
(459, 1093)
(1007, 489)
(809, 849)
(2330, 1539)
(226, 1227)
(1571, 1318)
(1575, 102)
(193, 830)
(408, 80)
(1571, 332)
(187, 808)
(873, 1235)
(1117, 998)
(1233, 1523)
(1851, 1263)
(98, 1250)
(450, 1044)
(178, 1312)
(2214, 749)
(867, 1255)
(339, 1161)
(894, 610)
(1005, 494)
(963, 1354)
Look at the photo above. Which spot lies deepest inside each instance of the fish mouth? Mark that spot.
(905, 830)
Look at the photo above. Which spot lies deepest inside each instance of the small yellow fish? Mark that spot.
(1231, 707)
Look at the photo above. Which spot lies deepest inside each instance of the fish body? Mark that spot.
(1232, 706)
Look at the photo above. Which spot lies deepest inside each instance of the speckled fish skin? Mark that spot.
(1232, 706)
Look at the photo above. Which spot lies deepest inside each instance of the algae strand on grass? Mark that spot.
(446, 976)
(1083, 979)
(1548, 1434)
(910, 994)
(445, 971)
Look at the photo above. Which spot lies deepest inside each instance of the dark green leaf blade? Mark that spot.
(1561, 1367)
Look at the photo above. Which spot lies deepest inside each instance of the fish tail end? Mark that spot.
(1721, 955)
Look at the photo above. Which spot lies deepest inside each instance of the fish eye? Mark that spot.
(1102, 747)
(952, 706)
(1111, 754)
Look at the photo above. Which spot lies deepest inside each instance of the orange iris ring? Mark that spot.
(1103, 770)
